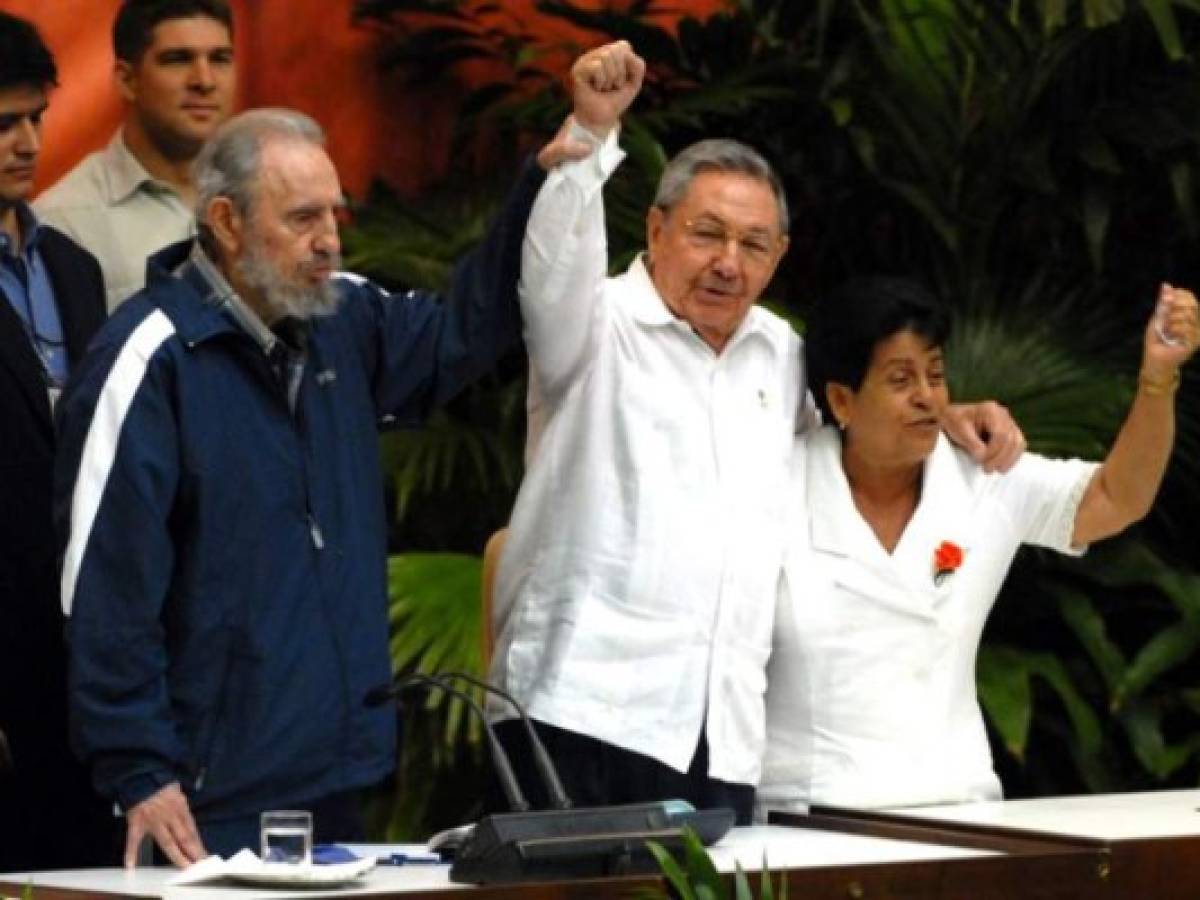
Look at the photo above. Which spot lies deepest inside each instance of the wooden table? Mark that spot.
(819, 862)
(1152, 839)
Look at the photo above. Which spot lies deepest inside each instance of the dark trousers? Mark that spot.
(337, 818)
(596, 773)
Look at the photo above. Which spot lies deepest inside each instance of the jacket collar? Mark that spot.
(219, 292)
(906, 576)
(834, 522)
(210, 306)
(198, 312)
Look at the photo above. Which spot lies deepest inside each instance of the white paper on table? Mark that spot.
(208, 869)
(246, 866)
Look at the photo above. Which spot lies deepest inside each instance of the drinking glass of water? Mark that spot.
(287, 836)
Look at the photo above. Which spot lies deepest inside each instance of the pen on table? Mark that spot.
(404, 859)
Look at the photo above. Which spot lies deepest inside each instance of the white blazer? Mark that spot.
(871, 686)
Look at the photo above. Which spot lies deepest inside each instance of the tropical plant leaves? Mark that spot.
(1004, 677)
(697, 878)
(436, 626)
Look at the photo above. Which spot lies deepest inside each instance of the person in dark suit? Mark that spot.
(51, 302)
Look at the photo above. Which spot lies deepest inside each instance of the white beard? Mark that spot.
(283, 298)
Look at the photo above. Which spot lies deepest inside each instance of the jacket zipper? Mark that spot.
(281, 393)
(210, 739)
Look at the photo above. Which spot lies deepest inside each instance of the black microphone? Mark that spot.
(508, 781)
(550, 844)
(380, 694)
(550, 780)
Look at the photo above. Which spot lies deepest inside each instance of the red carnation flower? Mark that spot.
(946, 559)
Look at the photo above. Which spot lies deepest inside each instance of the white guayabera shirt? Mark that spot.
(635, 596)
(872, 681)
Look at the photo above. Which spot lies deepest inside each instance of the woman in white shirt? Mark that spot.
(899, 545)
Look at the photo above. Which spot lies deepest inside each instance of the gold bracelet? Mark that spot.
(1158, 385)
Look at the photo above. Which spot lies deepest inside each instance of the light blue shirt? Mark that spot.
(26, 283)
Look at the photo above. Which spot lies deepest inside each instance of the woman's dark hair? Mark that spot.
(844, 328)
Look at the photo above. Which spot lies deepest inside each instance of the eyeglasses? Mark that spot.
(755, 245)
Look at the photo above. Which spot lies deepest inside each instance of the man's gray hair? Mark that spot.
(229, 163)
(718, 155)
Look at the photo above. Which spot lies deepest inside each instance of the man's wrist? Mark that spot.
(597, 130)
(135, 788)
(592, 171)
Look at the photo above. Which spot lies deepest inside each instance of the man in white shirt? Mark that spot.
(175, 72)
(634, 599)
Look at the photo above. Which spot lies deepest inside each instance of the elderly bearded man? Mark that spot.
(220, 497)
(635, 594)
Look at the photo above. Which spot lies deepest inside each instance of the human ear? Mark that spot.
(125, 79)
(655, 223)
(226, 224)
(841, 403)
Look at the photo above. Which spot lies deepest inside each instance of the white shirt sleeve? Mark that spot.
(564, 260)
(1042, 497)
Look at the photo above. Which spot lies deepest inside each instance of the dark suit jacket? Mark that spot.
(49, 816)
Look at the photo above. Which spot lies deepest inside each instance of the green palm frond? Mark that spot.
(1004, 678)
(1137, 622)
(415, 245)
(1059, 363)
(436, 626)
(480, 449)
(435, 622)
(695, 877)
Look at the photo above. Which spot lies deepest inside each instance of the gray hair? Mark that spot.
(718, 155)
(229, 163)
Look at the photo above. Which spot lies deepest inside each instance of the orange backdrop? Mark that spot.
(299, 53)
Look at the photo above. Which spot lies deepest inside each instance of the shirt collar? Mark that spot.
(30, 230)
(221, 294)
(943, 512)
(648, 307)
(124, 174)
(837, 529)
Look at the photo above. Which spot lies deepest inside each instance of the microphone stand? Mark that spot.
(508, 780)
(550, 780)
(566, 842)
